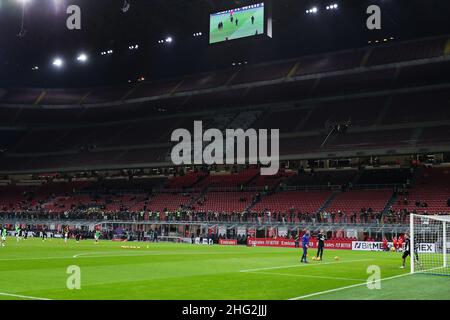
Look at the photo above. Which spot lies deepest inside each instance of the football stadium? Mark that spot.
(224, 150)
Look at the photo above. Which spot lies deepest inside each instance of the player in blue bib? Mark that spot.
(305, 245)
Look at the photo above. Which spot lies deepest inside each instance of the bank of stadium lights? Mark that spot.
(381, 41)
(35, 68)
(333, 6)
(239, 63)
(104, 53)
(134, 47)
(197, 34)
(312, 10)
(166, 40)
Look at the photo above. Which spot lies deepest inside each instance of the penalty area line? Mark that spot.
(307, 276)
(304, 265)
(22, 296)
(346, 287)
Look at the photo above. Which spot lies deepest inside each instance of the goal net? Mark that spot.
(430, 244)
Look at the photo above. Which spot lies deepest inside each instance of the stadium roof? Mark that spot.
(27, 60)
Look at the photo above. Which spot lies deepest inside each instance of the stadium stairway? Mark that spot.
(327, 202)
(252, 204)
(251, 180)
(200, 179)
(389, 203)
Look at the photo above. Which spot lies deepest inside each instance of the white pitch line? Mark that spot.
(34, 258)
(109, 254)
(304, 265)
(307, 276)
(153, 253)
(99, 255)
(21, 296)
(346, 287)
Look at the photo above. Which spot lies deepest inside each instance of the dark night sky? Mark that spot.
(104, 27)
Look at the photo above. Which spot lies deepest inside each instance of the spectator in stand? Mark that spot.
(297, 240)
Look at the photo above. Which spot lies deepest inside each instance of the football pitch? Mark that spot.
(245, 27)
(32, 269)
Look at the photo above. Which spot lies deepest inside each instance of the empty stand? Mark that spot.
(284, 202)
(169, 201)
(427, 48)
(232, 180)
(185, 181)
(429, 194)
(353, 201)
(227, 202)
(330, 62)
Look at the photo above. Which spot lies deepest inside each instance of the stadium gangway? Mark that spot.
(376, 186)
(366, 227)
(83, 223)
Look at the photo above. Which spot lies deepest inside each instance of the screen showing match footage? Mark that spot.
(237, 23)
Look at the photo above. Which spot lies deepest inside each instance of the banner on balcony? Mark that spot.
(272, 232)
(282, 231)
(222, 230)
(241, 231)
(228, 242)
(290, 243)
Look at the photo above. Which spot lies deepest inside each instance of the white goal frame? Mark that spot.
(444, 227)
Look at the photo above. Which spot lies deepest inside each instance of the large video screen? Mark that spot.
(236, 23)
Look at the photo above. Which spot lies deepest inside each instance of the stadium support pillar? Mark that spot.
(444, 246)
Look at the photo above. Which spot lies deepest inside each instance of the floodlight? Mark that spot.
(58, 62)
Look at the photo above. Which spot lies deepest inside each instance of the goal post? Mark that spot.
(430, 244)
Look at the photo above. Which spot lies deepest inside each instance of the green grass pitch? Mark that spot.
(35, 269)
(231, 31)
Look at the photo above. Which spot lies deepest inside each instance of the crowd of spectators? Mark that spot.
(365, 215)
